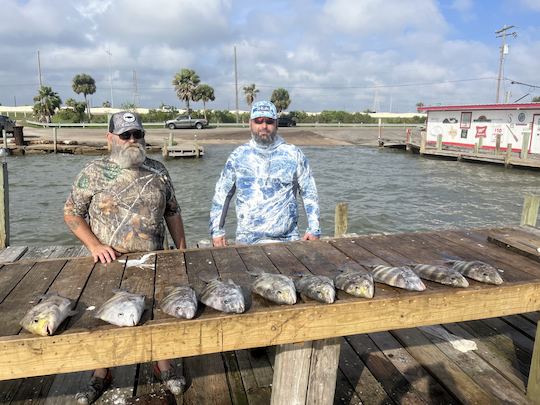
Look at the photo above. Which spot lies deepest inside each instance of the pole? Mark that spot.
(503, 50)
(4, 207)
(110, 75)
(39, 70)
(236, 86)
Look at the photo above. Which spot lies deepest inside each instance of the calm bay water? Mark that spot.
(387, 191)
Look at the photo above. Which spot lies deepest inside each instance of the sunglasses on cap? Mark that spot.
(260, 120)
(126, 136)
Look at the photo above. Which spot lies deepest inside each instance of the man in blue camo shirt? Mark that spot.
(266, 173)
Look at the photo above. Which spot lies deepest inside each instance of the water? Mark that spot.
(387, 191)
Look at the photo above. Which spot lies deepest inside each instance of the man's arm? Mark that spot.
(176, 229)
(310, 197)
(225, 189)
(81, 229)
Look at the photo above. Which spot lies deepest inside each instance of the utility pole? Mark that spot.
(39, 70)
(135, 91)
(236, 86)
(108, 51)
(503, 51)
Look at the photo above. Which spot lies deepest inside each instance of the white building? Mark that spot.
(464, 125)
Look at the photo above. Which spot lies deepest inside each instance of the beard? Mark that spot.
(128, 155)
(263, 137)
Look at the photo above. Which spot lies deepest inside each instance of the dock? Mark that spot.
(382, 358)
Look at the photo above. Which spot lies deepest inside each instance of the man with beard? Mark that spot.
(266, 174)
(126, 197)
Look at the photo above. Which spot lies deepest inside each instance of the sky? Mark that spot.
(349, 55)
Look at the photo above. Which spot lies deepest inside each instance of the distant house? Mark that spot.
(464, 125)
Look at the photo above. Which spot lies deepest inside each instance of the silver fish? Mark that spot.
(401, 277)
(319, 288)
(44, 318)
(441, 274)
(181, 302)
(276, 288)
(358, 283)
(122, 309)
(477, 270)
(224, 297)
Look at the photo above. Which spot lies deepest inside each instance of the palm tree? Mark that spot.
(46, 102)
(204, 93)
(84, 84)
(280, 98)
(185, 84)
(251, 93)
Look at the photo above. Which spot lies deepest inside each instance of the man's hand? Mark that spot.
(309, 236)
(103, 253)
(219, 241)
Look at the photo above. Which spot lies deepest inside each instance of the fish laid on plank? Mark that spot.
(44, 318)
(181, 302)
(225, 297)
(319, 288)
(401, 277)
(441, 274)
(477, 270)
(275, 287)
(356, 282)
(122, 309)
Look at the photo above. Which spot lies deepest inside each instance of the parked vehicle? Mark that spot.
(286, 122)
(6, 123)
(185, 121)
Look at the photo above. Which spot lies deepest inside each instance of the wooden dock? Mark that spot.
(388, 362)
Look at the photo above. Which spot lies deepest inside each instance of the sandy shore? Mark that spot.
(302, 136)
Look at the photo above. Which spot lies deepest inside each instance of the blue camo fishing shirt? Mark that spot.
(266, 180)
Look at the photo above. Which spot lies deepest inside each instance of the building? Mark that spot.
(466, 125)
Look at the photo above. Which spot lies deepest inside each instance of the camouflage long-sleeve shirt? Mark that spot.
(266, 180)
(125, 207)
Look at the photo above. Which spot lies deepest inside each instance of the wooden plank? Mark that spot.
(110, 346)
(256, 260)
(525, 246)
(480, 371)
(239, 394)
(533, 386)
(290, 385)
(522, 324)
(208, 381)
(38, 252)
(323, 371)
(397, 387)
(256, 394)
(10, 276)
(12, 253)
(345, 393)
(448, 373)
(419, 379)
(284, 260)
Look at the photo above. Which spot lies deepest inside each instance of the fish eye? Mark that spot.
(36, 320)
(120, 314)
(225, 301)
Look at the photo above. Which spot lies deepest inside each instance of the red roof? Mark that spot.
(528, 106)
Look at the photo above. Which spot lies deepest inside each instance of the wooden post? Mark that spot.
(4, 207)
(4, 137)
(498, 144)
(439, 142)
(341, 219)
(525, 145)
(423, 142)
(380, 130)
(323, 371)
(171, 139)
(533, 386)
(480, 143)
(407, 136)
(291, 374)
(508, 154)
(55, 139)
(529, 214)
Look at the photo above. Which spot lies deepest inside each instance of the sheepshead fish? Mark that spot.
(318, 288)
(276, 288)
(181, 302)
(441, 274)
(225, 297)
(358, 283)
(477, 270)
(401, 277)
(122, 309)
(44, 318)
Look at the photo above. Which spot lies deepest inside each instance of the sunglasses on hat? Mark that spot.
(126, 136)
(260, 120)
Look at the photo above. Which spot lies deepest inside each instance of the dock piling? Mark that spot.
(55, 139)
(341, 219)
(529, 214)
(525, 145)
(4, 206)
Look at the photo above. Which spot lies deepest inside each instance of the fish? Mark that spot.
(477, 270)
(275, 287)
(318, 288)
(44, 318)
(122, 309)
(441, 274)
(225, 297)
(181, 302)
(356, 282)
(401, 277)
(139, 262)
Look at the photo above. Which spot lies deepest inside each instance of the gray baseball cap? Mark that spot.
(124, 121)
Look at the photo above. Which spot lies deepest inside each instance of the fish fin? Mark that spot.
(207, 279)
(72, 312)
